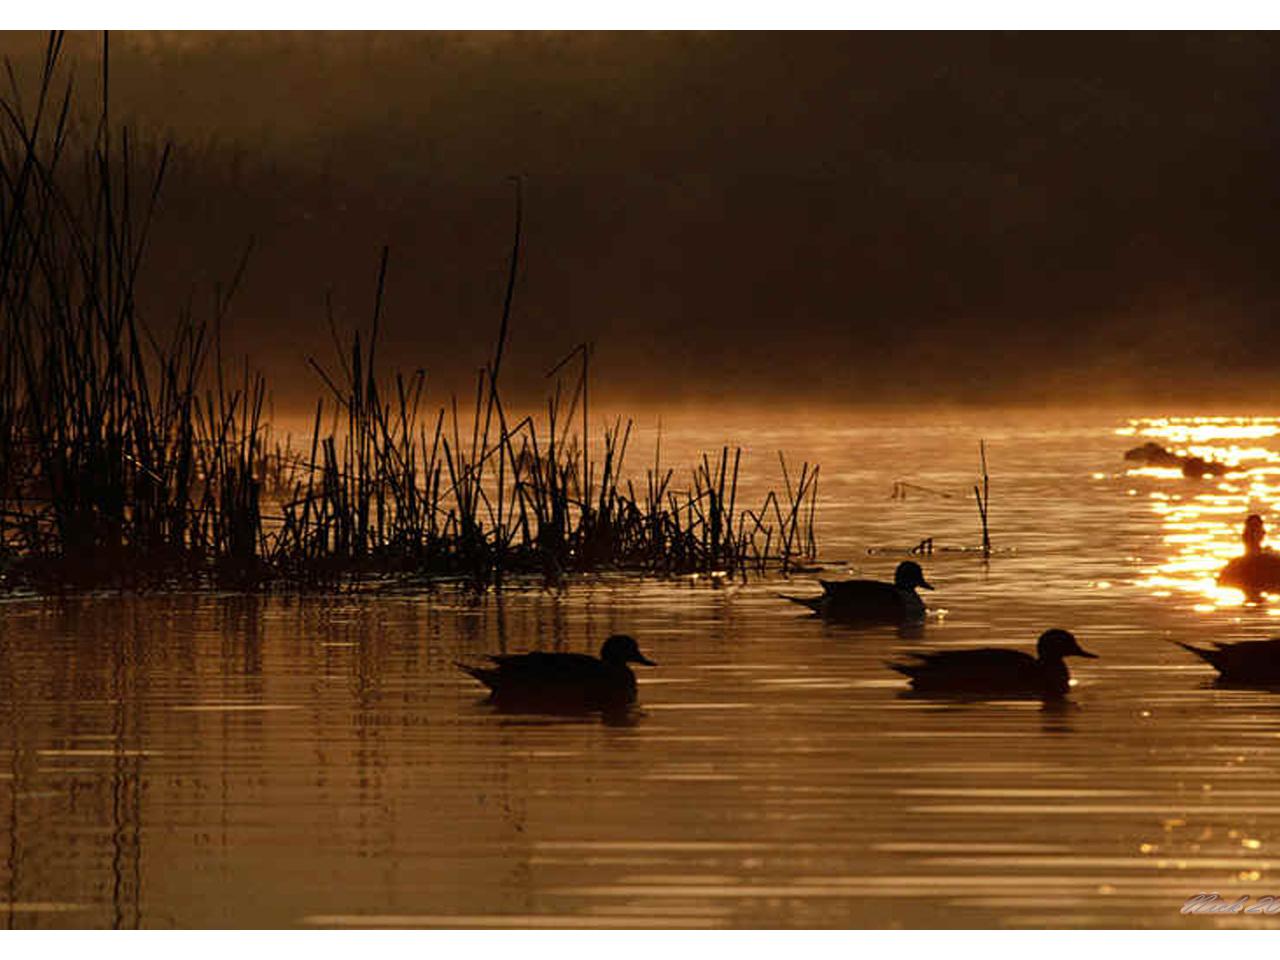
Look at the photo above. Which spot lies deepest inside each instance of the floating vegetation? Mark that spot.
(135, 459)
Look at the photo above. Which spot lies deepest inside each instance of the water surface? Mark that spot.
(240, 761)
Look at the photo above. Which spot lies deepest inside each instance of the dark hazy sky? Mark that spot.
(830, 216)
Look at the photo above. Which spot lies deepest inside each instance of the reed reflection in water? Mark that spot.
(229, 760)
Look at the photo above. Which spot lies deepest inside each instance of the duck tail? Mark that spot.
(1208, 656)
(813, 603)
(902, 668)
(487, 677)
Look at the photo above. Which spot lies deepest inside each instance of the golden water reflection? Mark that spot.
(1203, 518)
(226, 760)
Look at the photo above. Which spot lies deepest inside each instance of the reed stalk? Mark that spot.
(983, 496)
(132, 457)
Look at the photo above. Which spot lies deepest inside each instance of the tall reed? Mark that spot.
(131, 457)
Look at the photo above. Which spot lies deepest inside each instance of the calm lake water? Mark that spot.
(239, 761)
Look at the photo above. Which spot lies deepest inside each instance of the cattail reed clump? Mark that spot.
(128, 458)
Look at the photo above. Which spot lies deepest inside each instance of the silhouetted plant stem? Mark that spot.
(130, 458)
(983, 497)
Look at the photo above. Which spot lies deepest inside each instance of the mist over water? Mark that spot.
(844, 217)
(317, 760)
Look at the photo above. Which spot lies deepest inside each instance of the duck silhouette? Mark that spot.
(1247, 663)
(1257, 570)
(564, 682)
(871, 601)
(994, 670)
(1155, 455)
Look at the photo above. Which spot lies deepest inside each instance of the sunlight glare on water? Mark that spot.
(1203, 519)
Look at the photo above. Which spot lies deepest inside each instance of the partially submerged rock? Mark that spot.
(1155, 455)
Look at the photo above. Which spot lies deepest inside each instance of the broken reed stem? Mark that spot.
(983, 496)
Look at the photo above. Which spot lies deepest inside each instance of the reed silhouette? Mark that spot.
(127, 457)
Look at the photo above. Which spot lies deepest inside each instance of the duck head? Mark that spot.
(908, 576)
(1056, 644)
(621, 648)
(1254, 534)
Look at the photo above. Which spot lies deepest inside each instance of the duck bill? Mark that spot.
(641, 658)
(926, 584)
(1080, 652)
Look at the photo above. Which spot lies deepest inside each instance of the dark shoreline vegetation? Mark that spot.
(131, 461)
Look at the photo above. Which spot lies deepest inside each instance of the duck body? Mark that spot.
(1154, 454)
(1197, 467)
(1249, 662)
(563, 682)
(994, 670)
(1258, 568)
(1253, 572)
(986, 670)
(872, 601)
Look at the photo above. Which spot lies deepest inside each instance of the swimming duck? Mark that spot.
(993, 670)
(1154, 454)
(1157, 456)
(1197, 467)
(564, 681)
(1258, 569)
(1254, 662)
(872, 601)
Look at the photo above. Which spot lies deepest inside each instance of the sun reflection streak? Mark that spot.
(1202, 519)
(1202, 429)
